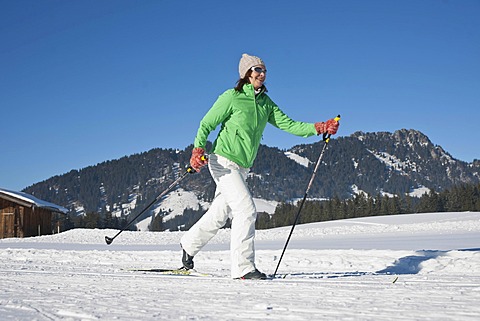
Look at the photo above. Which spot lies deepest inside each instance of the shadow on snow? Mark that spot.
(411, 264)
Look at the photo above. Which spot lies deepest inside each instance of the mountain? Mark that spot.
(382, 163)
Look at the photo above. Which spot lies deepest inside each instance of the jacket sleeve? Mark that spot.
(280, 120)
(220, 110)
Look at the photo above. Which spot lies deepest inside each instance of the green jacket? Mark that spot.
(244, 117)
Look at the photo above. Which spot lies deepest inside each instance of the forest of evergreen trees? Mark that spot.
(457, 199)
(91, 220)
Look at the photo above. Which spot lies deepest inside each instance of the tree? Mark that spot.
(157, 224)
(92, 220)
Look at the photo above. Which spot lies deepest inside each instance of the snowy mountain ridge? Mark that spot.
(399, 163)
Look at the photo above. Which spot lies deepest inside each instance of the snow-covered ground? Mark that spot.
(341, 270)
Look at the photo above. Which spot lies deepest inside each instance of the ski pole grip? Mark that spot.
(326, 137)
(191, 170)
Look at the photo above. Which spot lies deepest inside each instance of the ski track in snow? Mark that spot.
(342, 270)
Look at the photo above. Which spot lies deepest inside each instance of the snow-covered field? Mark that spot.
(342, 270)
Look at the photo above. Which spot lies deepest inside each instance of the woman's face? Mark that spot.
(258, 76)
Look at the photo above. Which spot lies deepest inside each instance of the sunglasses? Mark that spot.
(259, 70)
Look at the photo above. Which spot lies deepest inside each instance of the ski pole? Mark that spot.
(326, 139)
(189, 170)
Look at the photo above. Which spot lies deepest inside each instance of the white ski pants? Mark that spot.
(232, 199)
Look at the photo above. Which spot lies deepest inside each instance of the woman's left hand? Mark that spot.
(328, 127)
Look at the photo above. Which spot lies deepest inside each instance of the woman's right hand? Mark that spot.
(198, 159)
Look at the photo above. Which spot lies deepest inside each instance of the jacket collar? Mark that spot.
(250, 90)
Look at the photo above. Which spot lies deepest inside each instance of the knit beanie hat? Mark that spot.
(247, 62)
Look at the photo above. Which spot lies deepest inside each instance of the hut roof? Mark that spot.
(30, 201)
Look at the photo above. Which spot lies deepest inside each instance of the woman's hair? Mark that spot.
(245, 80)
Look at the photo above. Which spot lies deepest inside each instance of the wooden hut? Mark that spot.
(23, 215)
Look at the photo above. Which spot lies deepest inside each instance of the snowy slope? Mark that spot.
(343, 270)
(179, 200)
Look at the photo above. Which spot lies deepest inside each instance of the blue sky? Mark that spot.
(85, 81)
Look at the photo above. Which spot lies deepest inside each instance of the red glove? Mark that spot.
(198, 159)
(328, 127)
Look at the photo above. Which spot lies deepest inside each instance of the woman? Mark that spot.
(243, 113)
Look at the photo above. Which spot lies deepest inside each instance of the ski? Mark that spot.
(288, 277)
(180, 272)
